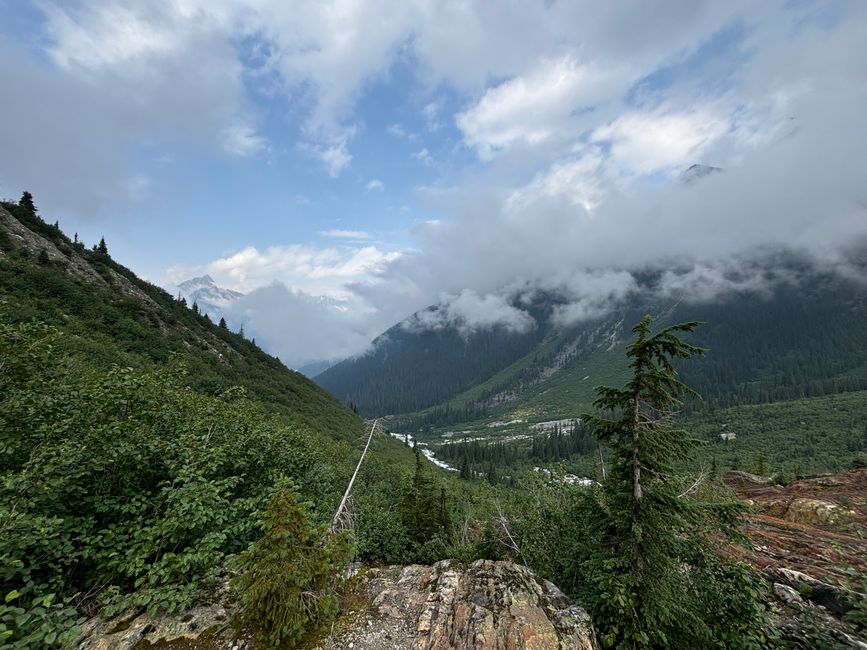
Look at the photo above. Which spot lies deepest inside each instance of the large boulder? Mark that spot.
(808, 512)
(496, 605)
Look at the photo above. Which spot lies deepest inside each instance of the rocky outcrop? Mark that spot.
(807, 612)
(72, 263)
(810, 512)
(496, 605)
(808, 540)
(814, 525)
(203, 627)
(486, 605)
(836, 599)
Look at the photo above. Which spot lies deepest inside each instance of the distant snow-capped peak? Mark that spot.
(205, 291)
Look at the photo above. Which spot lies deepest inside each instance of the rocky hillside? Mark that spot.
(810, 540)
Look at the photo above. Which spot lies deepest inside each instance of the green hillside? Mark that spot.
(413, 366)
(109, 315)
(802, 339)
(140, 444)
(150, 455)
(773, 363)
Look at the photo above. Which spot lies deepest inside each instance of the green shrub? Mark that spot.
(42, 624)
(288, 577)
(126, 485)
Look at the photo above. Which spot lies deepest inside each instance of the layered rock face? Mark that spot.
(808, 541)
(496, 605)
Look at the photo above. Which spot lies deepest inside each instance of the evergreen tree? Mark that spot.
(195, 307)
(26, 202)
(43, 258)
(288, 577)
(416, 513)
(223, 323)
(426, 514)
(493, 476)
(655, 577)
(640, 437)
(465, 473)
(101, 248)
(761, 465)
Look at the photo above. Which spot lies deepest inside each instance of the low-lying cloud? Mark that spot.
(581, 201)
(469, 312)
(300, 328)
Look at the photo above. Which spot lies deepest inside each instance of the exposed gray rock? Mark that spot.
(201, 627)
(835, 599)
(447, 606)
(808, 611)
(788, 595)
(735, 476)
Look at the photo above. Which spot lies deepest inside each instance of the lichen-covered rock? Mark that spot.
(813, 511)
(202, 628)
(496, 605)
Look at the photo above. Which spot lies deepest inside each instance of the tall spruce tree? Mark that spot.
(27, 203)
(656, 577)
(426, 514)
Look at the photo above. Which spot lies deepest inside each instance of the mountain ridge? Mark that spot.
(756, 352)
(137, 323)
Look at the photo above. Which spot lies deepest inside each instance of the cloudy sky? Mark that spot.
(390, 154)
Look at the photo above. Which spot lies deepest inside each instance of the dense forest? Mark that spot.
(785, 439)
(413, 366)
(801, 339)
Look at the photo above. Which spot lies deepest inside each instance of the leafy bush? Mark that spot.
(44, 624)
(127, 485)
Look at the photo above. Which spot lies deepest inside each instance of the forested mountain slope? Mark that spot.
(800, 338)
(112, 316)
(141, 446)
(413, 366)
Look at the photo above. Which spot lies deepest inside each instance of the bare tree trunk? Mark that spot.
(346, 494)
(636, 441)
(601, 459)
